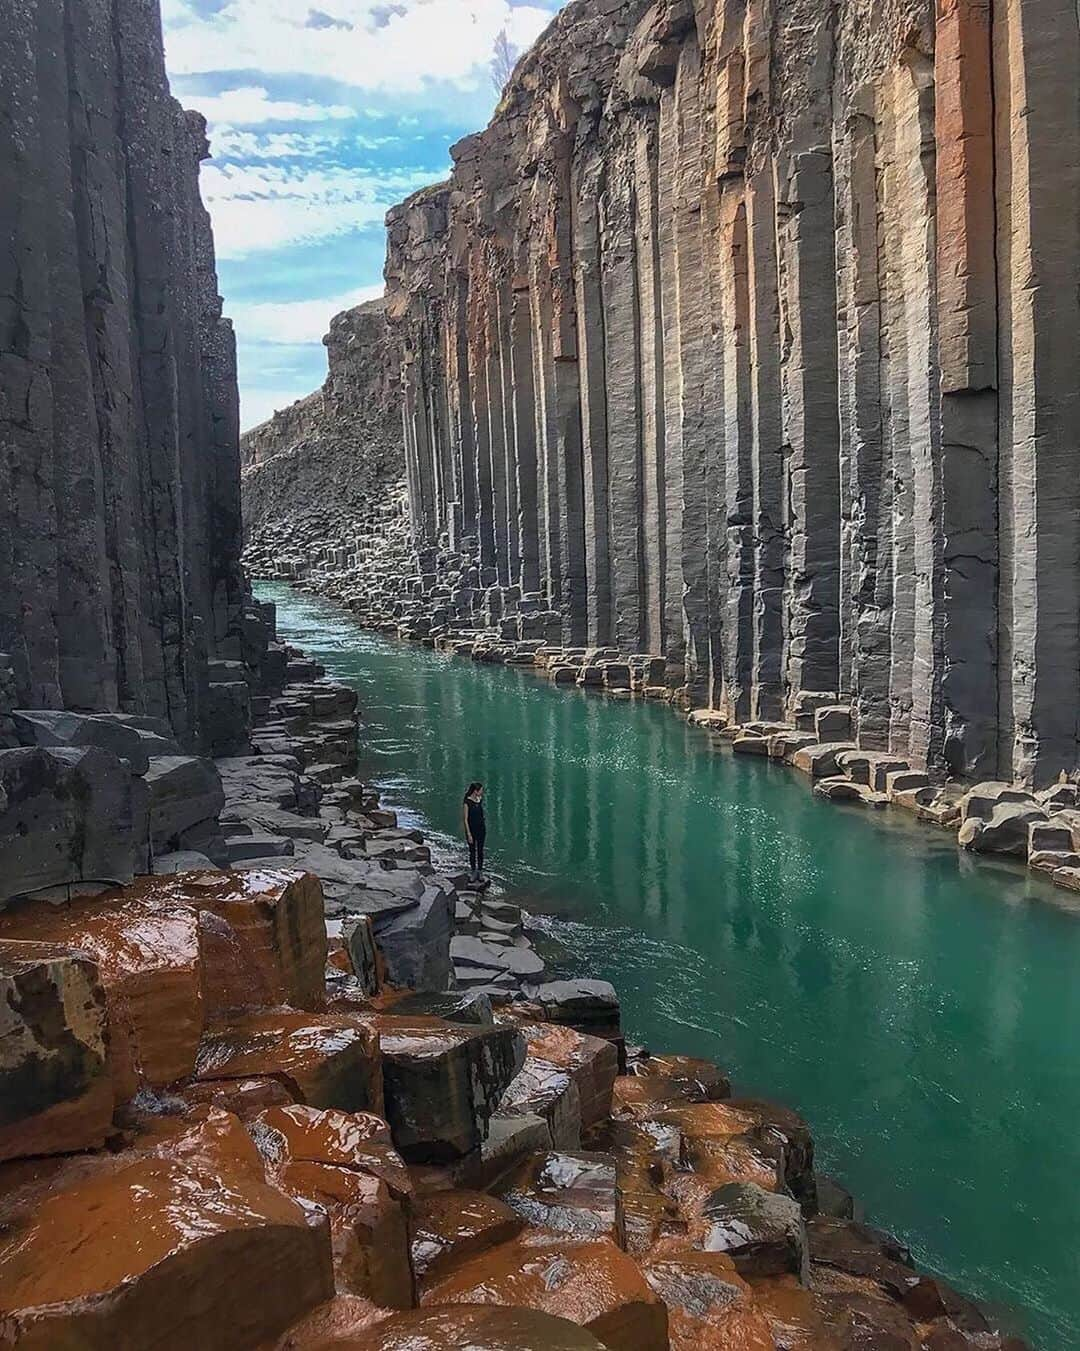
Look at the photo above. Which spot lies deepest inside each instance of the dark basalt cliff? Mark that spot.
(119, 464)
(745, 335)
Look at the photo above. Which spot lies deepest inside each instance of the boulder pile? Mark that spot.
(313, 1096)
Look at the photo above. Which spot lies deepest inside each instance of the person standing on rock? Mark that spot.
(472, 815)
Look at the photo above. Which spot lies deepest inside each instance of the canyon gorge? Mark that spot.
(732, 369)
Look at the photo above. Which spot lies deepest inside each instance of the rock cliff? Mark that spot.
(745, 336)
(324, 468)
(119, 471)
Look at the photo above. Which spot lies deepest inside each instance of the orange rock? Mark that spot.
(792, 1314)
(575, 1194)
(346, 1164)
(710, 1308)
(148, 962)
(645, 1156)
(244, 1098)
(683, 1078)
(478, 1329)
(333, 1326)
(326, 1060)
(592, 1063)
(269, 946)
(56, 1095)
(591, 1283)
(450, 1227)
(176, 1244)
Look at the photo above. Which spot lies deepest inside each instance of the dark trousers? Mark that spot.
(476, 853)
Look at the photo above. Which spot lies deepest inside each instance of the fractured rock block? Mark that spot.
(127, 738)
(68, 815)
(346, 1164)
(184, 791)
(324, 1060)
(574, 1194)
(592, 1283)
(56, 1095)
(148, 962)
(177, 1244)
(710, 1307)
(449, 1227)
(761, 1231)
(443, 1082)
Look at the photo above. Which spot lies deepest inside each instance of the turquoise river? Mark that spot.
(919, 1007)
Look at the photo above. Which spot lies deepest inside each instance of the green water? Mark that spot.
(919, 1008)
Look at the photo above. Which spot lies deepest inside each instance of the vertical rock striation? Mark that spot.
(745, 335)
(119, 468)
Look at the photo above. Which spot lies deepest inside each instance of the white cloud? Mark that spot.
(256, 207)
(363, 44)
(250, 106)
(296, 321)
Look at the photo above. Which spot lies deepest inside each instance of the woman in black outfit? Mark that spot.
(472, 815)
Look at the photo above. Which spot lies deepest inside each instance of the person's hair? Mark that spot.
(472, 789)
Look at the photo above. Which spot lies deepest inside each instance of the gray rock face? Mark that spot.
(53, 727)
(184, 792)
(119, 477)
(720, 345)
(69, 815)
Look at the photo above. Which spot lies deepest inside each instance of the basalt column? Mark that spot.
(119, 459)
(792, 293)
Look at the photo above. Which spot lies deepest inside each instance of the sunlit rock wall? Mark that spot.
(119, 462)
(748, 333)
(317, 468)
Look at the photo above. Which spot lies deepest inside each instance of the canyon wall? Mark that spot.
(119, 464)
(746, 335)
(318, 470)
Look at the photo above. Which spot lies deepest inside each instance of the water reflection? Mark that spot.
(917, 1006)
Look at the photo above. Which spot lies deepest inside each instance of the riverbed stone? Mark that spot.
(568, 1193)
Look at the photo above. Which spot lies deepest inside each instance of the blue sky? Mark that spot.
(324, 113)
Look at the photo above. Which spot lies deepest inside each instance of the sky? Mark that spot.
(322, 115)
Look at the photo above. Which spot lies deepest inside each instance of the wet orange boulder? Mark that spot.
(574, 1194)
(443, 1082)
(175, 1244)
(147, 958)
(322, 1059)
(710, 1308)
(478, 1329)
(591, 1283)
(263, 935)
(591, 1062)
(56, 1095)
(761, 1231)
(333, 1326)
(244, 1098)
(681, 1078)
(449, 1227)
(346, 1164)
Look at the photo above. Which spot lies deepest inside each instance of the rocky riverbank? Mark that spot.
(304, 1073)
(447, 600)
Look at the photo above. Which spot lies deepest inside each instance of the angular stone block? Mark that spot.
(177, 1244)
(126, 738)
(762, 1232)
(184, 791)
(575, 1194)
(450, 1227)
(324, 1060)
(56, 1095)
(479, 1329)
(345, 1164)
(68, 815)
(443, 1082)
(591, 1283)
(148, 962)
